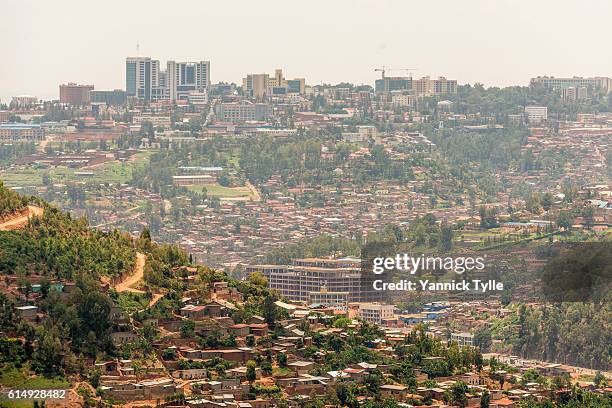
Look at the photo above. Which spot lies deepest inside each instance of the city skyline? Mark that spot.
(263, 41)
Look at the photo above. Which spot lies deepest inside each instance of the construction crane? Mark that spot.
(384, 69)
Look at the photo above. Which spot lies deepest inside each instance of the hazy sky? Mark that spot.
(495, 42)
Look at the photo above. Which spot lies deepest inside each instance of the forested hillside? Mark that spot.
(57, 246)
(11, 202)
(573, 333)
(77, 324)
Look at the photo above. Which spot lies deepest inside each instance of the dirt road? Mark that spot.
(135, 277)
(21, 220)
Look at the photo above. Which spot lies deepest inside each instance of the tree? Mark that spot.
(187, 328)
(488, 217)
(600, 380)
(266, 367)
(144, 241)
(257, 279)
(482, 339)
(564, 220)
(485, 399)
(533, 204)
(269, 310)
(281, 358)
(457, 394)
(250, 340)
(94, 378)
(251, 374)
(373, 381)
(446, 237)
(587, 215)
(47, 358)
(547, 201)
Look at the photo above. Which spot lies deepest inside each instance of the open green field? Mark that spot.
(110, 172)
(13, 378)
(216, 190)
(17, 379)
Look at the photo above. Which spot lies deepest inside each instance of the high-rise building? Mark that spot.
(260, 86)
(183, 78)
(142, 78)
(74, 94)
(146, 81)
(434, 87)
(443, 86)
(256, 86)
(575, 94)
(390, 84)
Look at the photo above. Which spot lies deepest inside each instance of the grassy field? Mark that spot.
(216, 190)
(15, 378)
(110, 172)
(132, 302)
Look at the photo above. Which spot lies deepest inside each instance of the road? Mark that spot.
(125, 285)
(21, 220)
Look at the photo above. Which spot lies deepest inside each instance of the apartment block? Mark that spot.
(307, 279)
(183, 78)
(260, 86)
(20, 132)
(434, 87)
(536, 114)
(336, 300)
(145, 80)
(592, 83)
(75, 94)
(375, 312)
(242, 111)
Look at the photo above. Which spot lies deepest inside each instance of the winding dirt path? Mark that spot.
(135, 277)
(21, 220)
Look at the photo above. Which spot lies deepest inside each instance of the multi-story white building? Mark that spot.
(145, 80)
(375, 312)
(242, 111)
(403, 100)
(463, 339)
(604, 83)
(142, 79)
(536, 114)
(336, 300)
(185, 77)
